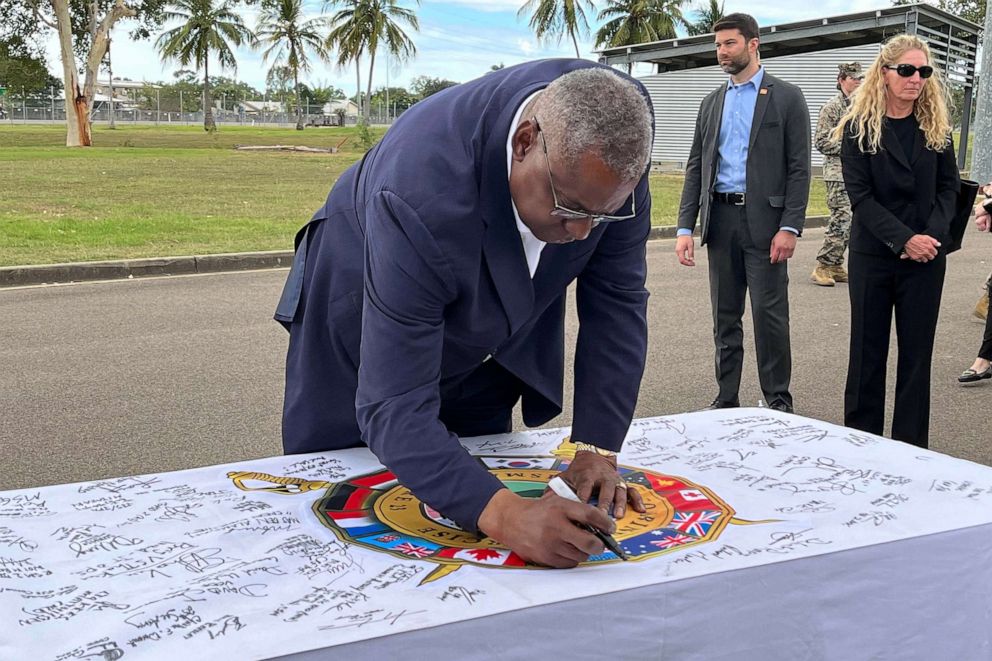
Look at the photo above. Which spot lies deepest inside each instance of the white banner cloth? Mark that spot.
(771, 536)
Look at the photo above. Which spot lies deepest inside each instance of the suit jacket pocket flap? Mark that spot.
(777, 201)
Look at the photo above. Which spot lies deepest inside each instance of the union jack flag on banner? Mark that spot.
(407, 548)
(672, 541)
(694, 523)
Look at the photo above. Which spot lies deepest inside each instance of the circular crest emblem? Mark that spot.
(375, 511)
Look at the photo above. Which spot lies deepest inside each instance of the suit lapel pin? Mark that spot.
(764, 90)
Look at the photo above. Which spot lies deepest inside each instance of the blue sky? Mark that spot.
(458, 40)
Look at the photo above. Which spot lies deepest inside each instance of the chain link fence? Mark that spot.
(49, 106)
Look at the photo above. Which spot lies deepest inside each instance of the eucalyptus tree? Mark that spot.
(556, 18)
(288, 38)
(206, 30)
(82, 29)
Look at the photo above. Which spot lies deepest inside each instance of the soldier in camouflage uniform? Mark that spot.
(830, 260)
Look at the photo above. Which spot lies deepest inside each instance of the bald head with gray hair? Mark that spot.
(597, 111)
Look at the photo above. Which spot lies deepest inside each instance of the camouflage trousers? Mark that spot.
(839, 229)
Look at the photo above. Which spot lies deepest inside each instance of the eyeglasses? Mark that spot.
(907, 70)
(573, 214)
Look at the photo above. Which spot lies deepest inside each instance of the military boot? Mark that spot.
(822, 276)
(982, 307)
(838, 273)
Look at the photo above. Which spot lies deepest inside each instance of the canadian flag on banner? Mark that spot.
(688, 499)
(483, 556)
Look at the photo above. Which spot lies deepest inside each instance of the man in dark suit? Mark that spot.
(428, 295)
(747, 180)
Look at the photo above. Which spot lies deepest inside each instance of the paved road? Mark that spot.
(116, 378)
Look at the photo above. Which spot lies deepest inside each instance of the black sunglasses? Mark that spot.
(907, 70)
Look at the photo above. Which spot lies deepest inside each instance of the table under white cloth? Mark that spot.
(842, 545)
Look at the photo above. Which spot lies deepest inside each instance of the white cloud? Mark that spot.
(491, 6)
(772, 12)
(525, 46)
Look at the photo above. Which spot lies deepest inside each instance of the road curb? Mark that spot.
(41, 274)
(21, 276)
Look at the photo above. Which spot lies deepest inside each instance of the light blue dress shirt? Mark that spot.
(735, 134)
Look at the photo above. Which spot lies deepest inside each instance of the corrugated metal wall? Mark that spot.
(677, 94)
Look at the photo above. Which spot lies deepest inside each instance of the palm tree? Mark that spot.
(362, 26)
(706, 18)
(348, 38)
(206, 30)
(281, 27)
(554, 18)
(639, 21)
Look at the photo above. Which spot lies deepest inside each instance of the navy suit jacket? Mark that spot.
(414, 272)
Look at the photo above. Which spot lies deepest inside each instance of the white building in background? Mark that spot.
(125, 92)
(805, 53)
(350, 107)
(260, 107)
(676, 95)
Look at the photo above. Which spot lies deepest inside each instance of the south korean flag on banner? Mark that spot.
(518, 463)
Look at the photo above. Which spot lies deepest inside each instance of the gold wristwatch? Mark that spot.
(588, 447)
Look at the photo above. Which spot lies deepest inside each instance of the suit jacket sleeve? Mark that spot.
(948, 183)
(689, 206)
(797, 159)
(860, 185)
(612, 307)
(407, 284)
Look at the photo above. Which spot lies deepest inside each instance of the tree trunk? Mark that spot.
(358, 89)
(574, 42)
(110, 75)
(299, 109)
(78, 100)
(209, 124)
(77, 106)
(368, 83)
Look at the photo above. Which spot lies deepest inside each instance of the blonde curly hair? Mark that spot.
(868, 105)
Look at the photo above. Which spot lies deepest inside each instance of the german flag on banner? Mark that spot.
(349, 497)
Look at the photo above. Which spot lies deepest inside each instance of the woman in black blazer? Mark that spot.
(900, 173)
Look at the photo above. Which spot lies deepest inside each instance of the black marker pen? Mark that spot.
(560, 487)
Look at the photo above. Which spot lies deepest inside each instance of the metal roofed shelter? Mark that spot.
(953, 42)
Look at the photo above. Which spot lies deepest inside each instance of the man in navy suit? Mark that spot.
(427, 295)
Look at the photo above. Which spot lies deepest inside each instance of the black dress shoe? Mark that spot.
(781, 406)
(970, 375)
(720, 404)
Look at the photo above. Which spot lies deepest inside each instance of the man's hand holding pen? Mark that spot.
(553, 530)
(549, 530)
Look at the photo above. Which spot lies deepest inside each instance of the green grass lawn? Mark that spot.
(146, 191)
